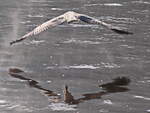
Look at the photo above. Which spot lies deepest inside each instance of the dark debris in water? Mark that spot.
(117, 85)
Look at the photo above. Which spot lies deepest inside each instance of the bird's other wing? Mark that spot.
(43, 27)
(91, 20)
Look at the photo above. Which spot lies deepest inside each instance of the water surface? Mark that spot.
(83, 57)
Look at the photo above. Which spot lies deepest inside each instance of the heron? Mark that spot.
(69, 17)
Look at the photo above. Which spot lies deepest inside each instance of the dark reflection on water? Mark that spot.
(117, 85)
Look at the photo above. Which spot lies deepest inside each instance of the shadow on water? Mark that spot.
(117, 85)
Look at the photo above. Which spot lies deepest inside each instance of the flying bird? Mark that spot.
(69, 17)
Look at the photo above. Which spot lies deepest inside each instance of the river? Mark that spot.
(77, 68)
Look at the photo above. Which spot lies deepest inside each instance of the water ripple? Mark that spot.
(25, 22)
(62, 107)
(105, 4)
(110, 65)
(142, 12)
(40, 1)
(120, 20)
(86, 66)
(127, 46)
(16, 107)
(75, 67)
(80, 41)
(141, 2)
(146, 80)
(57, 9)
(108, 102)
(35, 16)
(2, 102)
(148, 110)
(103, 111)
(141, 97)
(35, 42)
(113, 4)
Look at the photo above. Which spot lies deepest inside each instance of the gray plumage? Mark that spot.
(69, 17)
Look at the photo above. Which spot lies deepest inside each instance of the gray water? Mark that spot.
(81, 56)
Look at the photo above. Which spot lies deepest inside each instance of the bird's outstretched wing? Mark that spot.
(91, 20)
(51, 23)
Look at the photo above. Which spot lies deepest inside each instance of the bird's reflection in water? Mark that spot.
(117, 85)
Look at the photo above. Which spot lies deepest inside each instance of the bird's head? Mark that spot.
(71, 16)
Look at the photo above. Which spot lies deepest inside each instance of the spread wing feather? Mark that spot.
(43, 27)
(91, 20)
